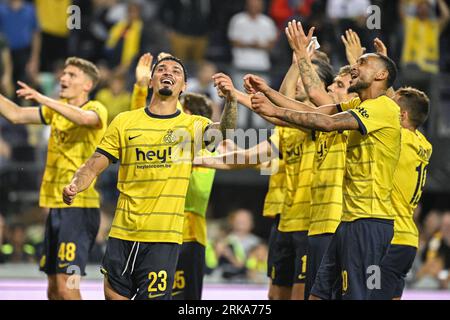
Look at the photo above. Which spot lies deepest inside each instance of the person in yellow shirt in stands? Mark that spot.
(124, 41)
(77, 125)
(53, 17)
(115, 96)
(409, 181)
(155, 146)
(373, 120)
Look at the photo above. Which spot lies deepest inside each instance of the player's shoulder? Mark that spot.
(425, 143)
(94, 105)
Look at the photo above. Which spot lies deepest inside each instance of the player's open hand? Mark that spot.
(69, 193)
(353, 48)
(262, 105)
(143, 70)
(29, 93)
(298, 40)
(254, 84)
(224, 85)
(380, 47)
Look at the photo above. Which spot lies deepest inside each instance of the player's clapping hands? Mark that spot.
(224, 85)
(254, 84)
(262, 105)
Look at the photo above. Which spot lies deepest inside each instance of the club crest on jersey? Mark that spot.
(170, 137)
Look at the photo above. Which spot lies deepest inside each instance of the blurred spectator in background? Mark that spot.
(115, 97)
(6, 69)
(422, 29)
(124, 40)
(204, 84)
(52, 16)
(18, 23)
(252, 35)
(430, 226)
(16, 249)
(257, 263)
(283, 11)
(188, 22)
(241, 223)
(348, 14)
(436, 257)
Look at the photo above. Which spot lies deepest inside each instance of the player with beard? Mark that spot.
(77, 125)
(155, 146)
(288, 244)
(373, 150)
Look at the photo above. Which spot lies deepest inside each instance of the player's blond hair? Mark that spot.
(87, 67)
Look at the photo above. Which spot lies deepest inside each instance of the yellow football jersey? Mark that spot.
(273, 203)
(69, 147)
(298, 149)
(409, 179)
(327, 178)
(155, 154)
(372, 156)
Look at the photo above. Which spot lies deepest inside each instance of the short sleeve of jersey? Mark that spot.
(46, 115)
(200, 125)
(110, 144)
(351, 104)
(371, 116)
(100, 110)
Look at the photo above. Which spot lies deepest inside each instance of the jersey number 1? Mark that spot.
(421, 177)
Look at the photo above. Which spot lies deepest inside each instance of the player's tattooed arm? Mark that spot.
(299, 42)
(84, 176)
(254, 84)
(226, 90)
(306, 120)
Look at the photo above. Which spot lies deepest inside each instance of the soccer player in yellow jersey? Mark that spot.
(77, 125)
(154, 146)
(373, 150)
(409, 180)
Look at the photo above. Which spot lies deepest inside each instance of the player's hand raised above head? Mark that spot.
(298, 40)
(353, 48)
(254, 84)
(224, 85)
(262, 105)
(380, 47)
(29, 93)
(69, 193)
(143, 70)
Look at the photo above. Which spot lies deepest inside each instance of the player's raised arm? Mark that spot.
(18, 115)
(72, 113)
(306, 120)
(84, 176)
(143, 78)
(226, 89)
(353, 48)
(299, 42)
